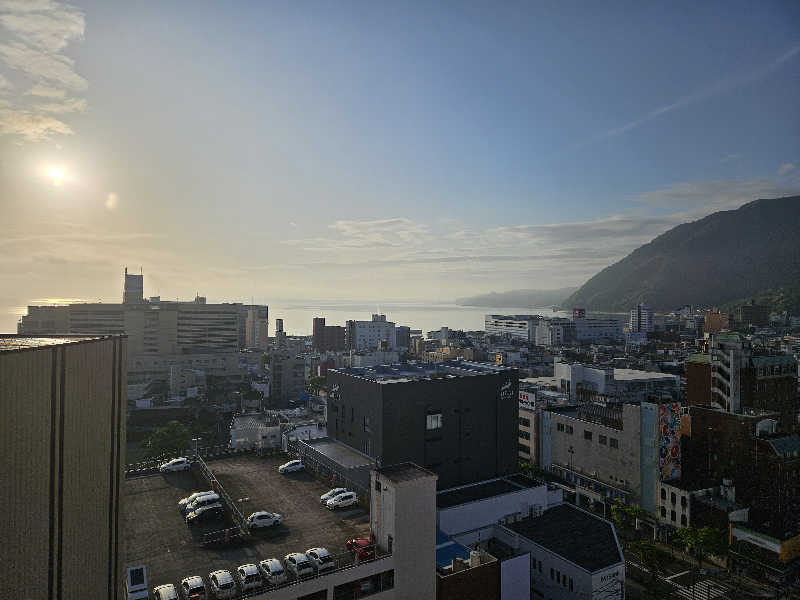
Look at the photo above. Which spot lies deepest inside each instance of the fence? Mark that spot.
(237, 515)
(207, 453)
(329, 471)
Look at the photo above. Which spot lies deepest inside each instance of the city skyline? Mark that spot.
(365, 152)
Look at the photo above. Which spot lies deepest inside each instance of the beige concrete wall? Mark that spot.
(61, 454)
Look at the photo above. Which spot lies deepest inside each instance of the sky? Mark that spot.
(373, 151)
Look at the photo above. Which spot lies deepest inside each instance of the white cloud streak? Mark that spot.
(33, 37)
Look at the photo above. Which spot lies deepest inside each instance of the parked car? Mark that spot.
(361, 548)
(331, 494)
(193, 587)
(272, 571)
(248, 577)
(320, 559)
(291, 466)
(298, 564)
(263, 518)
(176, 464)
(222, 584)
(184, 502)
(342, 500)
(165, 592)
(204, 514)
(201, 501)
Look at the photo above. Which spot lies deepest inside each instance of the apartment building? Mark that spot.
(377, 334)
(521, 327)
(62, 447)
(641, 320)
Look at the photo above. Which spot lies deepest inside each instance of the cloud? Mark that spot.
(718, 87)
(786, 168)
(34, 35)
(730, 158)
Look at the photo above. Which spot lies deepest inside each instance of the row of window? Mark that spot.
(588, 435)
(672, 516)
(673, 498)
(525, 449)
(525, 435)
(555, 575)
(524, 422)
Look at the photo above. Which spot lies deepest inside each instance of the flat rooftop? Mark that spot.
(405, 472)
(482, 490)
(22, 342)
(408, 372)
(340, 453)
(580, 537)
(637, 375)
(155, 534)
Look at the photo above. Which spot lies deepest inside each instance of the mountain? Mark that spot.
(724, 257)
(519, 298)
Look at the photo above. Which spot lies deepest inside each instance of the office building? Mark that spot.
(753, 314)
(377, 334)
(641, 320)
(287, 379)
(715, 321)
(554, 332)
(458, 419)
(521, 327)
(597, 329)
(162, 335)
(327, 338)
(587, 383)
(62, 446)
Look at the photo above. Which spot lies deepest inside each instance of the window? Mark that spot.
(524, 422)
(377, 485)
(525, 435)
(558, 576)
(587, 435)
(613, 443)
(524, 449)
(683, 520)
(560, 426)
(672, 498)
(672, 515)
(552, 574)
(602, 439)
(434, 421)
(570, 584)
(569, 429)
(663, 494)
(663, 512)
(683, 501)
(540, 566)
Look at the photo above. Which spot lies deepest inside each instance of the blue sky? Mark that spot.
(377, 151)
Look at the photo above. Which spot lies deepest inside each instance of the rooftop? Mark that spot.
(340, 453)
(408, 372)
(404, 472)
(787, 446)
(578, 536)
(701, 358)
(482, 490)
(22, 342)
(637, 375)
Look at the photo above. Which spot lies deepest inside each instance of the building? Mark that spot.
(255, 431)
(641, 320)
(699, 503)
(698, 377)
(377, 334)
(458, 419)
(256, 327)
(162, 335)
(555, 332)
(287, 379)
(597, 329)
(745, 379)
(403, 337)
(715, 321)
(521, 327)
(753, 314)
(327, 337)
(590, 383)
(62, 447)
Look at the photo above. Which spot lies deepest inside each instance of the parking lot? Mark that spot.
(157, 536)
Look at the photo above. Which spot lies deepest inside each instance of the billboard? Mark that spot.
(669, 451)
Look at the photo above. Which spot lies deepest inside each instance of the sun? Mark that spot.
(57, 175)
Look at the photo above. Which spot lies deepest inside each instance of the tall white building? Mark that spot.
(641, 320)
(377, 334)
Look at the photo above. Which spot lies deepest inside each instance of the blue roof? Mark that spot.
(447, 550)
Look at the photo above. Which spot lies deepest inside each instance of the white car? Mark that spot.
(184, 502)
(298, 564)
(263, 518)
(342, 500)
(201, 501)
(321, 559)
(193, 586)
(222, 584)
(291, 466)
(249, 578)
(165, 592)
(176, 464)
(272, 571)
(331, 494)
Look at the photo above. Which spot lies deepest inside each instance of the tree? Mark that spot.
(315, 384)
(653, 558)
(706, 540)
(170, 440)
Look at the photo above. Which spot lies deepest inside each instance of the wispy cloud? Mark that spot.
(730, 158)
(35, 34)
(786, 168)
(718, 87)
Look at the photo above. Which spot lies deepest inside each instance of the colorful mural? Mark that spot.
(669, 422)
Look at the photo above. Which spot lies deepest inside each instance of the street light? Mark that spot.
(195, 440)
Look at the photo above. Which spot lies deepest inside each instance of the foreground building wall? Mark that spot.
(62, 444)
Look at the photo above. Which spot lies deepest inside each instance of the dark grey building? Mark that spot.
(457, 418)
